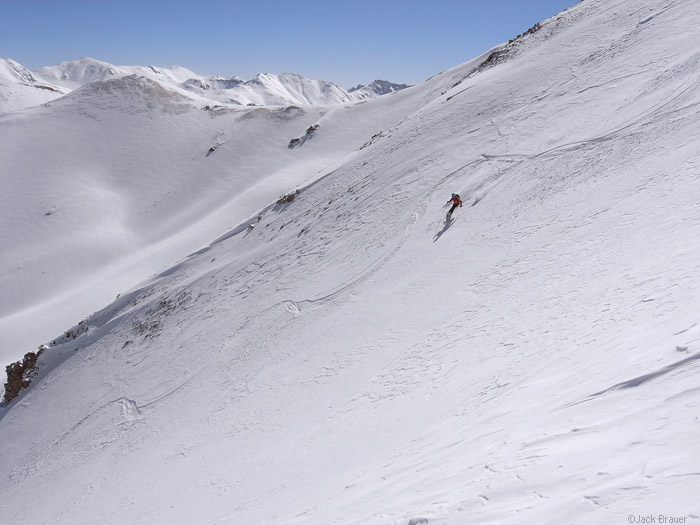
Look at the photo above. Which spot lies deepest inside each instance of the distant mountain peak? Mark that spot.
(377, 88)
(75, 73)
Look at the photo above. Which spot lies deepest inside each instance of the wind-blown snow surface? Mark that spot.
(353, 360)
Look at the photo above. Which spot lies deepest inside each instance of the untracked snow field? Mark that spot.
(352, 359)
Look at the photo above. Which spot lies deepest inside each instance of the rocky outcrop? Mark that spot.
(20, 375)
(298, 141)
(289, 197)
(504, 53)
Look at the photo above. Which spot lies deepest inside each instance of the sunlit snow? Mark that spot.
(346, 356)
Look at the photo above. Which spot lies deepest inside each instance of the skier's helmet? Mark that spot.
(454, 194)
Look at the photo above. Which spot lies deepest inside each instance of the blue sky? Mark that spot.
(346, 42)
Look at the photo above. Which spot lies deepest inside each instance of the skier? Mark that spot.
(456, 201)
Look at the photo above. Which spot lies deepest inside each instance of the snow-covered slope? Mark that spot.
(106, 185)
(19, 88)
(352, 359)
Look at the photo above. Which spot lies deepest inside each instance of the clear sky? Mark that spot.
(347, 42)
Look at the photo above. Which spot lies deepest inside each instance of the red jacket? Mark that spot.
(457, 201)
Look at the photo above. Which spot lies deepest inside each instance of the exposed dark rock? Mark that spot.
(288, 198)
(20, 374)
(298, 141)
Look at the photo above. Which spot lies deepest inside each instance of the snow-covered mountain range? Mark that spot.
(328, 349)
(21, 88)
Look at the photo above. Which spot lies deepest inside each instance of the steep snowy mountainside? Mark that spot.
(125, 175)
(19, 88)
(354, 359)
